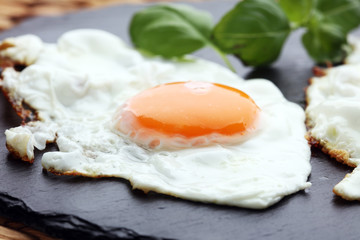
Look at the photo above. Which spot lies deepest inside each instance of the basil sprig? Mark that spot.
(326, 37)
(254, 30)
(172, 31)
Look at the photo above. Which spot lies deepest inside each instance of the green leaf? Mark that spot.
(325, 43)
(344, 13)
(170, 30)
(254, 31)
(297, 11)
(331, 21)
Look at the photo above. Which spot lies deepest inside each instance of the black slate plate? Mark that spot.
(82, 208)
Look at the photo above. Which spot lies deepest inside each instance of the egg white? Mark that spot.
(333, 114)
(354, 56)
(76, 86)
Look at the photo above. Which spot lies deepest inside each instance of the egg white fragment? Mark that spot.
(76, 86)
(354, 56)
(23, 49)
(23, 139)
(333, 113)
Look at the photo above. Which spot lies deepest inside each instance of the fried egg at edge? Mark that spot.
(76, 87)
(332, 117)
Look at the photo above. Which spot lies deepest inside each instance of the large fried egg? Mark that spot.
(193, 130)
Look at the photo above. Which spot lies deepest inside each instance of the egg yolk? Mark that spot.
(189, 110)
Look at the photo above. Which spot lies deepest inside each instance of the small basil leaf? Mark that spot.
(254, 31)
(170, 30)
(325, 43)
(297, 11)
(344, 13)
(325, 39)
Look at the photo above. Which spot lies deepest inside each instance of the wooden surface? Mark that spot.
(14, 11)
(10, 230)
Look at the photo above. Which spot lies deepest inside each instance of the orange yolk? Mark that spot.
(191, 109)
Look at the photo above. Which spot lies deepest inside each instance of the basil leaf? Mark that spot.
(325, 43)
(170, 30)
(297, 11)
(344, 13)
(254, 31)
(331, 21)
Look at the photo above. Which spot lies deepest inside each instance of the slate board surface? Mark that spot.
(83, 208)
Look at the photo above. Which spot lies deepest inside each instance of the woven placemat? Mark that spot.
(13, 12)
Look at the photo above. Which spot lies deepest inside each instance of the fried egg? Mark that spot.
(193, 130)
(332, 114)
